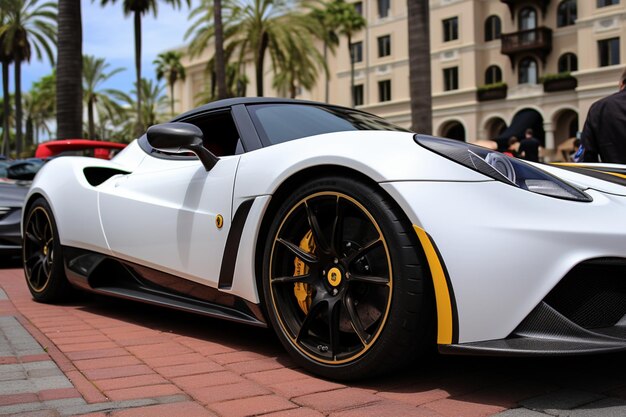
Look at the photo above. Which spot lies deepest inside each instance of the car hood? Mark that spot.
(13, 195)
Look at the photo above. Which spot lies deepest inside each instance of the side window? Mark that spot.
(220, 133)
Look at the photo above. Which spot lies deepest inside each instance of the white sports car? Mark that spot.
(358, 242)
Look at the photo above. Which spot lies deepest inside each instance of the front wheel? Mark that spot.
(42, 255)
(343, 280)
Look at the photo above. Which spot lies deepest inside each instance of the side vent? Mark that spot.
(97, 175)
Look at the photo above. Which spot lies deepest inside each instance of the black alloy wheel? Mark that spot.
(42, 255)
(343, 280)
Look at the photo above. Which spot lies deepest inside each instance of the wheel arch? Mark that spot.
(289, 185)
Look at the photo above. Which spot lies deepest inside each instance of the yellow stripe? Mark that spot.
(442, 294)
(602, 171)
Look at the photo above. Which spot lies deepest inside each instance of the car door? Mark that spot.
(165, 214)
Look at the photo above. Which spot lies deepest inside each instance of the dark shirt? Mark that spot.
(604, 133)
(529, 149)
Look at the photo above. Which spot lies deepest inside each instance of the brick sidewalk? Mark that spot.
(106, 357)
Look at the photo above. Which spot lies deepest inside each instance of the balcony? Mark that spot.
(535, 41)
(514, 4)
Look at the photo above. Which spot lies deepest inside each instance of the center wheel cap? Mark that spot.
(334, 277)
(45, 250)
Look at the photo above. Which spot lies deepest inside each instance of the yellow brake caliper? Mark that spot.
(303, 291)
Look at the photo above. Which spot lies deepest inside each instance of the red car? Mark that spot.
(85, 147)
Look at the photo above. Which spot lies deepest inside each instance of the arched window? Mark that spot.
(568, 63)
(527, 18)
(528, 73)
(493, 75)
(566, 13)
(493, 28)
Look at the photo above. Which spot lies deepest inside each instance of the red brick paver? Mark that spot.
(186, 365)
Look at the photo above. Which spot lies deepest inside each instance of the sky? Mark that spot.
(108, 34)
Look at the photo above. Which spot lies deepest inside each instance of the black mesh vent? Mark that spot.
(593, 294)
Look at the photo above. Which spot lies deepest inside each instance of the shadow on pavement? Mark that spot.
(497, 381)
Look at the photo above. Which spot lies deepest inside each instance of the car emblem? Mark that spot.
(334, 277)
(219, 221)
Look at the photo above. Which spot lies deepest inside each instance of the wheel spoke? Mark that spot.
(355, 321)
(32, 238)
(333, 326)
(308, 320)
(365, 249)
(306, 278)
(338, 228)
(35, 274)
(318, 236)
(306, 257)
(369, 279)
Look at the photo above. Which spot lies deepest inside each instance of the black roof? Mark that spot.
(220, 104)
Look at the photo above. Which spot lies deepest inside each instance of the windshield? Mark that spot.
(277, 123)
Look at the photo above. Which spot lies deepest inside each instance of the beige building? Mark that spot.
(489, 59)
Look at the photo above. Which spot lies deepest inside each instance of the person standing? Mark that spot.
(603, 133)
(529, 147)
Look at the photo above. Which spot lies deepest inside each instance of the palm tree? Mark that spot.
(153, 108)
(326, 30)
(203, 32)
(349, 22)
(5, 59)
(39, 104)
(138, 8)
(298, 60)
(169, 67)
(27, 26)
(265, 26)
(95, 73)
(69, 69)
(419, 66)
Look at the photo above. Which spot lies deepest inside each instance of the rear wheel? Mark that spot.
(42, 255)
(343, 280)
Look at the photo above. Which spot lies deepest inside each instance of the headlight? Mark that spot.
(502, 168)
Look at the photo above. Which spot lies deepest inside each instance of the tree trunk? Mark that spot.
(6, 109)
(18, 108)
(69, 70)
(327, 86)
(259, 65)
(140, 127)
(171, 97)
(92, 125)
(351, 70)
(29, 133)
(419, 66)
(220, 64)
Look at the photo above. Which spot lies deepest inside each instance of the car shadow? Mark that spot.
(505, 382)
(10, 261)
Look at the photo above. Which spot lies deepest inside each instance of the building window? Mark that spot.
(358, 6)
(528, 73)
(357, 92)
(450, 29)
(356, 52)
(384, 90)
(527, 19)
(493, 28)
(384, 46)
(566, 13)
(604, 3)
(451, 79)
(568, 63)
(383, 8)
(608, 52)
(493, 75)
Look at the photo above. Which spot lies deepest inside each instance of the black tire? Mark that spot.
(354, 303)
(42, 255)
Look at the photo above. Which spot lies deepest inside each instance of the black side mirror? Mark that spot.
(178, 137)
